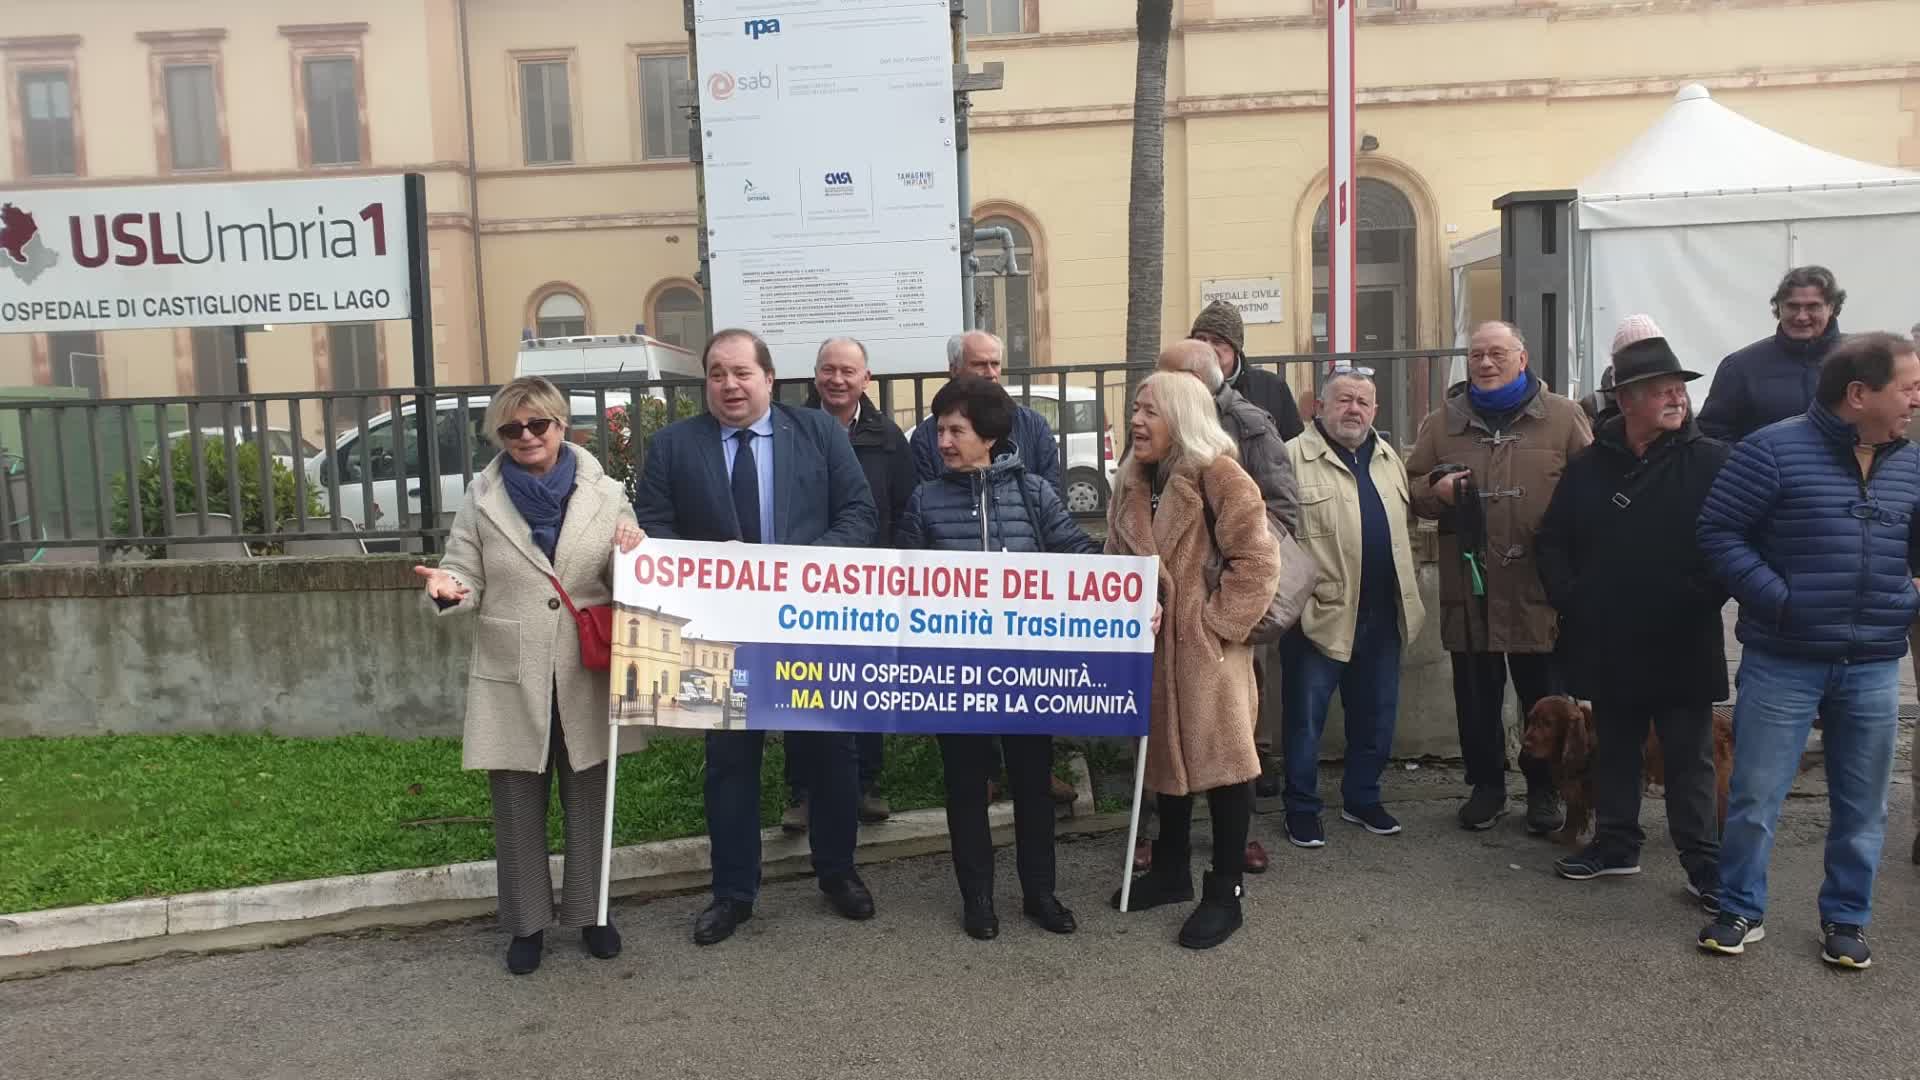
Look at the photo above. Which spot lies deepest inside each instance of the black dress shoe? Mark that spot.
(602, 941)
(849, 896)
(718, 922)
(523, 955)
(1049, 914)
(977, 917)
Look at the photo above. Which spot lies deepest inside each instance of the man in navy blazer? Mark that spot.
(762, 473)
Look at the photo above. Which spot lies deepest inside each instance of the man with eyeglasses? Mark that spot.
(1811, 526)
(754, 471)
(1774, 378)
(1485, 465)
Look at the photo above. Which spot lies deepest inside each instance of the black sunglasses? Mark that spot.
(510, 432)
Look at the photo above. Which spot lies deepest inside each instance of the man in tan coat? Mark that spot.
(1366, 605)
(1503, 438)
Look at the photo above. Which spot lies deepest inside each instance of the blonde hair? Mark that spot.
(1193, 425)
(526, 392)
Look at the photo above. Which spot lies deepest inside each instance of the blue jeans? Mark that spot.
(1779, 697)
(733, 806)
(1369, 686)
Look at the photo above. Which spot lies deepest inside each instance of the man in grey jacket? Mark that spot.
(1262, 452)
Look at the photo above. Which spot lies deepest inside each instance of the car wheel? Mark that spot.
(1086, 492)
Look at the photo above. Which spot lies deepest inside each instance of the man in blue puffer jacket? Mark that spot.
(985, 500)
(1811, 527)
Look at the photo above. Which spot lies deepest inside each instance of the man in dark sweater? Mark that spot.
(1774, 378)
(840, 378)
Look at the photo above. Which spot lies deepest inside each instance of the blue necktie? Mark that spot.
(746, 488)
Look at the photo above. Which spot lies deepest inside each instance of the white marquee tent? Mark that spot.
(1695, 222)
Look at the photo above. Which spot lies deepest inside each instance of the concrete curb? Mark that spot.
(38, 942)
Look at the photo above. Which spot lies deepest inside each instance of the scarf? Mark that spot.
(542, 499)
(1504, 399)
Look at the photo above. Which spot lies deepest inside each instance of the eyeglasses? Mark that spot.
(1342, 367)
(1498, 356)
(513, 431)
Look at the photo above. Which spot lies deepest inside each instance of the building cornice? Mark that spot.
(1194, 105)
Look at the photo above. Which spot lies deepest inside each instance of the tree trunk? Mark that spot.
(1147, 198)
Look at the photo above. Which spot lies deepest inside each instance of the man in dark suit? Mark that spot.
(761, 473)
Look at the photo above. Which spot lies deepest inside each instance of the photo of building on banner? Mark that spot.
(725, 637)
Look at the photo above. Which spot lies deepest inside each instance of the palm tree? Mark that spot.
(1147, 198)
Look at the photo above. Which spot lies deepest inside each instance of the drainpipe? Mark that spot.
(473, 196)
(969, 315)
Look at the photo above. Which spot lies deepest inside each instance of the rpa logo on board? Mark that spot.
(759, 28)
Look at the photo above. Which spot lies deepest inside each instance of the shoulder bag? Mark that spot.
(596, 630)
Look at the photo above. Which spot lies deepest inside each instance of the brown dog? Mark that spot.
(1560, 732)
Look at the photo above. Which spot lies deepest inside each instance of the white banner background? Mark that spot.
(832, 193)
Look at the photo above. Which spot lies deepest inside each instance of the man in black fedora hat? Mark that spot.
(1641, 634)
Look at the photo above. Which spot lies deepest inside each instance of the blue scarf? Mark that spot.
(541, 500)
(1505, 399)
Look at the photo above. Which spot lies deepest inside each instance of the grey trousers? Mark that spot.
(1693, 801)
(520, 841)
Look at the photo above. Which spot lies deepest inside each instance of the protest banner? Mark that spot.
(737, 637)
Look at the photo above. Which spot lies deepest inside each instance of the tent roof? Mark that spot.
(1701, 146)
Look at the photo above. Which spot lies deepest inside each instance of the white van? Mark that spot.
(635, 355)
(347, 461)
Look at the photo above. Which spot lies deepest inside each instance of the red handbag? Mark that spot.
(596, 630)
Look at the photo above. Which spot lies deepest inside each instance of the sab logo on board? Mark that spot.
(722, 85)
(757, 28)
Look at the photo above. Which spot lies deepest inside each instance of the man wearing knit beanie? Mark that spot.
(1220, 326)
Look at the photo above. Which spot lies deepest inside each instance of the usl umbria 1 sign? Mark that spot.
(283, 251)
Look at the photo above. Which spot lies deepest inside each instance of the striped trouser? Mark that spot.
(520, 841)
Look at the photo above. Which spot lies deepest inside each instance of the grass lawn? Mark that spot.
(98, 819)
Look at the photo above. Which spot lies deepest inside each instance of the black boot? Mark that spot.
(523, 956)
(602, 941)
(1169, 882)
(1218, 915)
(977, 917)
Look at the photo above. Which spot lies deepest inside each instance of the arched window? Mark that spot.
(1386, 270)
(1004, 302)
(560, 315)
(680, 318)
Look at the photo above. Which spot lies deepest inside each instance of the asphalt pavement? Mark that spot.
(1437, 953)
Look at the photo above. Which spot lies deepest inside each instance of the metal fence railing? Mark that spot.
(350, 471)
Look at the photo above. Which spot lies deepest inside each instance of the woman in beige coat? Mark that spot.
(1182, 496)
(543, 507)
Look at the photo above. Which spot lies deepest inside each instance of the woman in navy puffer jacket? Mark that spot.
(984, 500)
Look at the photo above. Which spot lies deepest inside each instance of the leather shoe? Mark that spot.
(849, 896)
(977, 917)
(602, 941)
(1256, 862)
(718, 922)
(1049, 914)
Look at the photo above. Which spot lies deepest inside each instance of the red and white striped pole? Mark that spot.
(1341, 195)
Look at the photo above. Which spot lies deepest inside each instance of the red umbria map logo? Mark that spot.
(24, 252)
